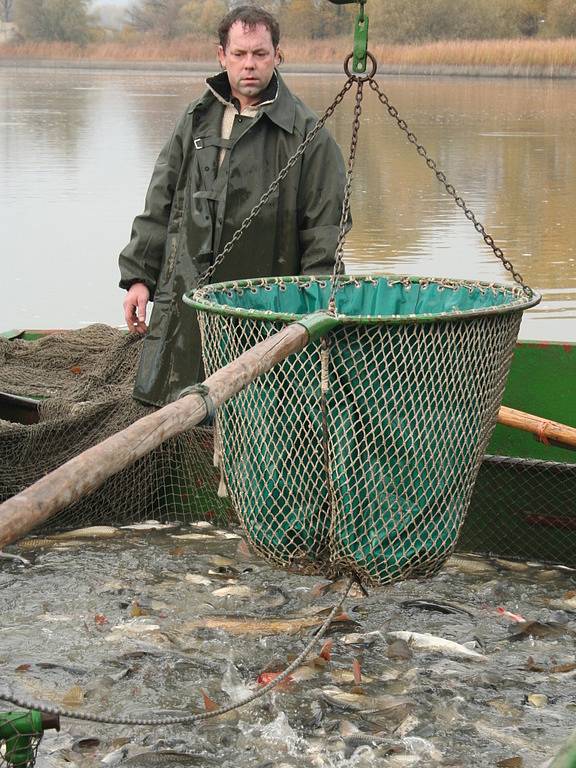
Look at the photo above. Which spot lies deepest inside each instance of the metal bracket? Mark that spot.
(204, 392)
(360, 35)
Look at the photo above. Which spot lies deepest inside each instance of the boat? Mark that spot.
(524, 502)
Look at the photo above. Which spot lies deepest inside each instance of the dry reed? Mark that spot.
(547, 57)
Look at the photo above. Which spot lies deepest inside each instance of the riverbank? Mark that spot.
(493, 58)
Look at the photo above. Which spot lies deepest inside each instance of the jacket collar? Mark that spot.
(278, 102)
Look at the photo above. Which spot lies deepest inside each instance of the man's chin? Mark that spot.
(250, 90)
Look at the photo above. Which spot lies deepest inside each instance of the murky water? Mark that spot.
(142, 624)
(77, 149)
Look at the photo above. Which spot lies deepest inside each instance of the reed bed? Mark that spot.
(512, 57)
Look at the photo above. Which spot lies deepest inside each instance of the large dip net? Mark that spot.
(76, 389)
(360, 452)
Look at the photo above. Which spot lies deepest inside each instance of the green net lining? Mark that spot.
(409, 406)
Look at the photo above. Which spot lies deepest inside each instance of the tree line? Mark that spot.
(392, 21)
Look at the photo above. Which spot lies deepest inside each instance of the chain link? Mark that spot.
(276, 183)
(347, 194)
(450, 189)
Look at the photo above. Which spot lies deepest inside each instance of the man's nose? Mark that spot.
(249, 61)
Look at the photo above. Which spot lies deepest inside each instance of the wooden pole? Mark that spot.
(544, 429)
(90, 469)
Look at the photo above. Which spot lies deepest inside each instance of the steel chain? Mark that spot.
(450, 189)
(347, 194)
(276, 183)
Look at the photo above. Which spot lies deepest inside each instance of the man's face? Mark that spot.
(249, 58)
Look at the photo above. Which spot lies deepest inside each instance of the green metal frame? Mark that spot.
(200, 299)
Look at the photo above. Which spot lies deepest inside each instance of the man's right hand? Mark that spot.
(135, 305)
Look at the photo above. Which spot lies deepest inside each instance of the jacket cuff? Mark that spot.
(127, 284)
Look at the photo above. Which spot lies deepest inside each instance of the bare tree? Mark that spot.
(6, 10)
(160, 16)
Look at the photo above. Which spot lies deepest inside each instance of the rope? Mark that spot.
(6, 695)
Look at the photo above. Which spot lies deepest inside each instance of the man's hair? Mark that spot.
(250, 16)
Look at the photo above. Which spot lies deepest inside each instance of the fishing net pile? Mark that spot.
(83, 380)
(360, 452)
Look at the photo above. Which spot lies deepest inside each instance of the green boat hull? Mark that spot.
(524, 502)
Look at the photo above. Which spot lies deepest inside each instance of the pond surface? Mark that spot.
(144, 623)
(77, 149)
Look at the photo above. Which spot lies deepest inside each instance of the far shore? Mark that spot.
(311, 68)
(472, 58)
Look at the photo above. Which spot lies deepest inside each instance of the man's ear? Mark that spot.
(221, 56)
(278, 57)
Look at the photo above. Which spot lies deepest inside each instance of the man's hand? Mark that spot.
(135, 308)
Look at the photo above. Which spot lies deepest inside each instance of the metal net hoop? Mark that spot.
(415, 376)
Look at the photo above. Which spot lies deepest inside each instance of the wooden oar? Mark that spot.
(545, 430)
(90, 469)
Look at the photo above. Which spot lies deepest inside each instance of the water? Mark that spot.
(76, 152)
(77, 148)
(138, 626)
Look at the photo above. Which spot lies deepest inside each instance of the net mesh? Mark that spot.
(520, 508)
(20, 736)
(376, 474)
(523, 508)
(84, 382)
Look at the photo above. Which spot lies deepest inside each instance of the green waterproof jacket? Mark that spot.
(194, 206)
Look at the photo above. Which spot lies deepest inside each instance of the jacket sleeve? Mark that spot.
(320, 200)
(141, 260)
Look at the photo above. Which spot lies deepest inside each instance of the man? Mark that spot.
(225, 151)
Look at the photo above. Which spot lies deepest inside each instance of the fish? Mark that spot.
(193, 536)
(220, 561)
(251, 625)
(92, 532)
(423, 641)
(356, 702)
(137, 629)
(510, 762)
(15, 558)
(342, 676)
(407, 725)
(48, 541)
(512, 565)
(469, 564)
(509, 615)
(526, 629)
(565, 604)
(355, 591)
(148, 525)
(73, 697)
(429, 605)
(167, 759)
(537, 699)
(356, 638)
(503, 736)
(233, 590)
(196, 578)
(399, 649)
(69, 538)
